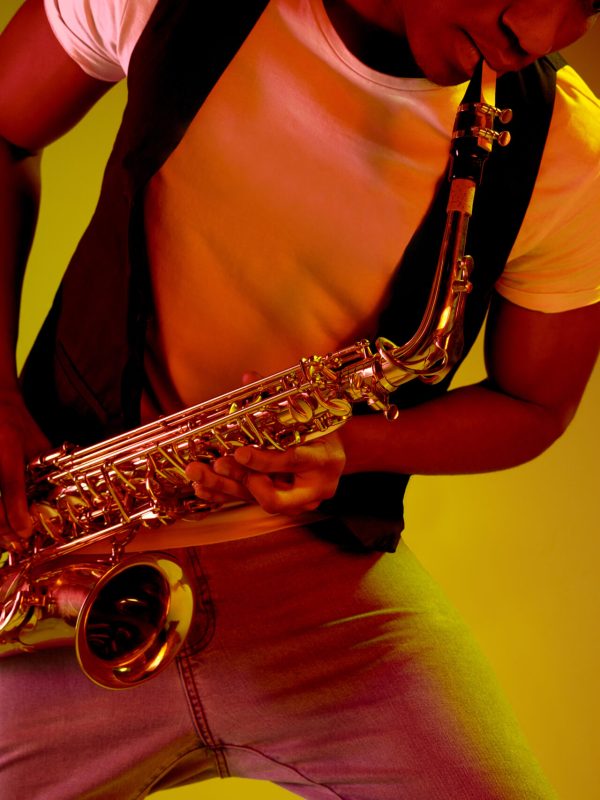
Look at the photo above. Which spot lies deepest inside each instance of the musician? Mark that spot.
(270, 226)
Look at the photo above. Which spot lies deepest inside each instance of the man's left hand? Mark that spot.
(289, 482)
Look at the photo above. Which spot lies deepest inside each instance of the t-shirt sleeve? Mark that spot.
(99, 35)
(555, 264)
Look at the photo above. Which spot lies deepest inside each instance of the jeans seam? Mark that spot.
(199, 716)
(291, 767)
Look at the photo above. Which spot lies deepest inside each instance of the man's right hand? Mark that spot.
(20, 440)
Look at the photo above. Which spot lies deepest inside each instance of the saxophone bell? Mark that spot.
(127, 620)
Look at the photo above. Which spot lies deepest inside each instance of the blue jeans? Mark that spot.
(333, 674)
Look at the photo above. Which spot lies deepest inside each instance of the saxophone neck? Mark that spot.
(437, 344)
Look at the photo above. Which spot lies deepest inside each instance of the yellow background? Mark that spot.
(517, 552)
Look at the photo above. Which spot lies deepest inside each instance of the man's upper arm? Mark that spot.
(544, 359)
(43, 92)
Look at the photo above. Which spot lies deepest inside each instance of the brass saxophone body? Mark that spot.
(128, 615)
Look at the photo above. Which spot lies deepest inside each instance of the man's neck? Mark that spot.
(373, 35)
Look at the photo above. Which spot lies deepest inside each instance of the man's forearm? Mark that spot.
(19, 200)
(471, 429)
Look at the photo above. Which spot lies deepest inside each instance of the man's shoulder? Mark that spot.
(99, 34)
(576, 118)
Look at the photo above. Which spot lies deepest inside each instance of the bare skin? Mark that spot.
(535, 383)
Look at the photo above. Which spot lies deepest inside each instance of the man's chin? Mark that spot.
(447, 73)
(448, 77)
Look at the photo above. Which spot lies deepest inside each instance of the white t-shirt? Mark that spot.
(315, 172)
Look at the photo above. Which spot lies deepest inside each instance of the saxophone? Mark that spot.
(129, 614)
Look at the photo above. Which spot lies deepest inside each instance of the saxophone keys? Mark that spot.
(461, 283)
(338, 407)
(297, 410)
(392, 412)
(47, 518)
